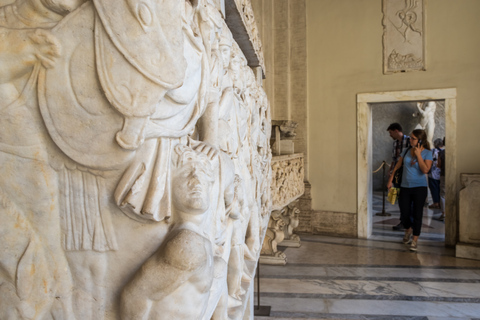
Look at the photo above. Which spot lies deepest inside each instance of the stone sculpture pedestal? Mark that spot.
(469, 245)
(275, 261)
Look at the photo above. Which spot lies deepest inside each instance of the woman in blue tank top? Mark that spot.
(416, 162)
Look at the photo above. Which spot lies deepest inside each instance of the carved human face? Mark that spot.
(225, 52)
(192, 185)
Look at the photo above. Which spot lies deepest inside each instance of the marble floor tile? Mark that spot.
(374, 279)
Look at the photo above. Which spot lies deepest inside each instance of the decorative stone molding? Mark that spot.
(240, 19)
(287, 179)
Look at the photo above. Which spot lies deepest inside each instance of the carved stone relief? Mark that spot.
(291, 217)
(469, 213)
(403, 35)
(135, 162)
(287, 179)
(275, 235)
(280, 233)
(287, 186)
(469, 202)
(284, 134)
(239, 15)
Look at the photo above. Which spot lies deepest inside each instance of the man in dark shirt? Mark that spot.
(400, 143)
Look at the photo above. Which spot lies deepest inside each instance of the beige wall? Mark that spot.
(344, 58)
(282, 27)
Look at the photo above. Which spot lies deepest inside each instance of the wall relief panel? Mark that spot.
(403, 35)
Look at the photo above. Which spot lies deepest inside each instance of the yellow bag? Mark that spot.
(393, 195)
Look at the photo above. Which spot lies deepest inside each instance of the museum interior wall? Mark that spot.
(344, 58)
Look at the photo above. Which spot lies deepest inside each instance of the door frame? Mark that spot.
(364, 154)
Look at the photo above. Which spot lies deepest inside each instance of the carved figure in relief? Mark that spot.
(274, 235)
(236, 260)
(144, 191)
(291, 221)
(426, 111)
(401, 62)
(35, 280)
(407, 17)
(182, 268)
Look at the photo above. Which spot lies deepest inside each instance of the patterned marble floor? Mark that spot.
(374, 279)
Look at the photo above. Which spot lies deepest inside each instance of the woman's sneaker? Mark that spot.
(413, 246)
(407, 238)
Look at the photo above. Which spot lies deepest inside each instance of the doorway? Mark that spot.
(365, 102)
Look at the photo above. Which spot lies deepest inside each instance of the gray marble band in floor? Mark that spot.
(366, 273)
(303, 315)
(345, 308)
(377, 290)
(431, 237)
(367, 297)
(402, 279)
(311, 265)
(379, 244)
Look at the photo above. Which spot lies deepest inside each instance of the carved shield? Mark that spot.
(79, 118)
(136, 27)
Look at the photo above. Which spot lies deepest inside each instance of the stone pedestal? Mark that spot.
(287, 186)
(305, 206)
(469, 224)
(274, 235)
(291, 219)
(283, 147)
(280, 260)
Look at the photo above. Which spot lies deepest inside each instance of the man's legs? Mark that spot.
(434, 186)
(398, 227)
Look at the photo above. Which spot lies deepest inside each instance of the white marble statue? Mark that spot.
(135, 162)
(426, 111)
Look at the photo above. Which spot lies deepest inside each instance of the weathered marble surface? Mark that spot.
(287, 186)
(426, 112)
(287, 179)
(241, 20)
(403, 35)
(135, 162)
(292, 220)
(469, 224)
(284, 133)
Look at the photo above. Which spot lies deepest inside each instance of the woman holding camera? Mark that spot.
(416, 161)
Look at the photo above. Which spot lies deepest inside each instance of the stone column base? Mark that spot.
(291, 243)
(467, 251)
(276, 261)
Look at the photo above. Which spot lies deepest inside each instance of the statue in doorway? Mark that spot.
(426, 111)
